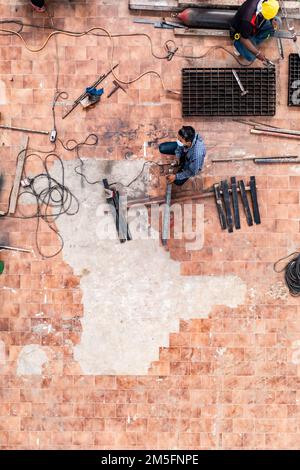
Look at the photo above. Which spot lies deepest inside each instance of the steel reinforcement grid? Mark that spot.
(215, 92)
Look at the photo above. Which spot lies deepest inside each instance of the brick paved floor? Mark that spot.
(227, 382)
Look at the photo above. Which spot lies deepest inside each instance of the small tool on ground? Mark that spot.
(243, 91)
(93, 96)
(116, 87)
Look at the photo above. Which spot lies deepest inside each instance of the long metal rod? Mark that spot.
(253, 123)
(21, 129)
(241, 159)
(280, 48)
(275, 134)
(262, 161)
(278, 130)
(12, 248)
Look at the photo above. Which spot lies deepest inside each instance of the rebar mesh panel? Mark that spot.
(294, 80)
(215, 92)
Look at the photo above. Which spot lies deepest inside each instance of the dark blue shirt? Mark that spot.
(193, 158)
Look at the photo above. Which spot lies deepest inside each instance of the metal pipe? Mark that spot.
(261, 161)
(238, 159)
(253, 123)
(275, 134)
(277, 131)
(12, 248)
(21, 129)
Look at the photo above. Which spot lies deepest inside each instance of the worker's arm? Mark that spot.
(179, 151)
(195, 162)
(252, 48)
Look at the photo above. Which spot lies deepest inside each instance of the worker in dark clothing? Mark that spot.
(38, 5)
(190, 150)
(254, 22)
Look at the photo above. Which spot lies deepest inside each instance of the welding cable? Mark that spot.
(107, 34)
(292, 273)
(52, 199)
(72, 145)
(148, 162)
(170, 52)
(57, 93)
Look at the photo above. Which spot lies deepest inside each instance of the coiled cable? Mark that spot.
(292, 273)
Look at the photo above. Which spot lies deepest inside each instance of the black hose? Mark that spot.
(292, 273)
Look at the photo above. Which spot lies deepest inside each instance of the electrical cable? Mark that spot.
(72, 145)
(292, 273)
(138, 175)
(170, 52)
(52, 199)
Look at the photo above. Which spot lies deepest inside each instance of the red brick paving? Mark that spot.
(227, 382)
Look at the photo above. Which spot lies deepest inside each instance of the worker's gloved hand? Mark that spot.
(171, 178)
(261, 56)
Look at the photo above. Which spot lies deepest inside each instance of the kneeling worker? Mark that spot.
(190, 150)
(254, 22)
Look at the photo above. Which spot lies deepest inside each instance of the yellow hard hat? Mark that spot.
(269, 9)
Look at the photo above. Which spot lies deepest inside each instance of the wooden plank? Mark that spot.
(19, 171)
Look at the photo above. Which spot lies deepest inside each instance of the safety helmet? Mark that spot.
(269, 9)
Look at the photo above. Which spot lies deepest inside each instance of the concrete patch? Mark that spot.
(3, 99)
(2, 353)
(31, 359)
(133, 293)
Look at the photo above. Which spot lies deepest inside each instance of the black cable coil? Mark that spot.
(292, 273)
